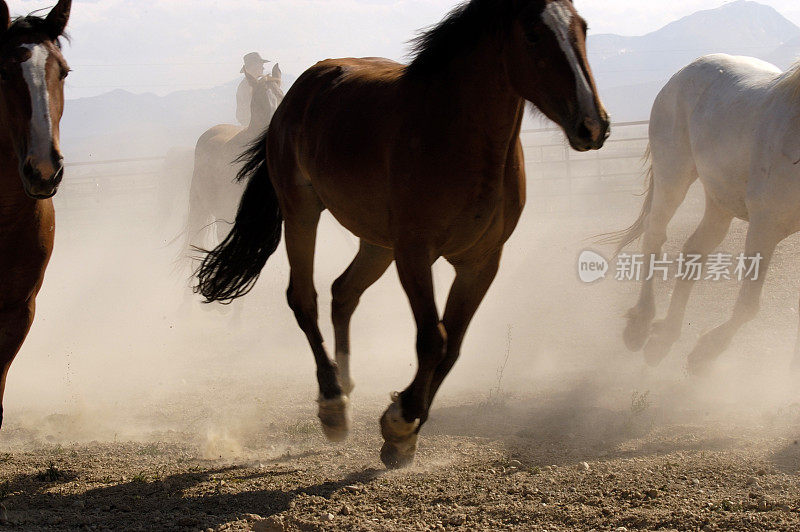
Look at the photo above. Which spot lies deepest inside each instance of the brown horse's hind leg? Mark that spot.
(401, 421)
(367, 267)
(14, 326)
(301, 234)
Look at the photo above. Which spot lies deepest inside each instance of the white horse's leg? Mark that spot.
(708, 235)
(669, 191)
(762, 238)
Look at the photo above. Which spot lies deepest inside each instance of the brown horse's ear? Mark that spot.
(57, 18)
(5, 17)
(276, 71)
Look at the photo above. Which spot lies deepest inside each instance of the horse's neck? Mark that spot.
(259, 123)
(479, 93)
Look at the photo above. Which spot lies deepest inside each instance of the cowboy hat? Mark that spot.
(253, 57)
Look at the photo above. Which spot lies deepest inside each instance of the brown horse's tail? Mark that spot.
(622, 238)
(232, 268)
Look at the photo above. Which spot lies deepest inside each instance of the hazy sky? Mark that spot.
(167, 45)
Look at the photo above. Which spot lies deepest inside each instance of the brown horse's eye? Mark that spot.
(65, 73)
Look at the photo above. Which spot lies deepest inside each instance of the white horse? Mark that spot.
(734, 123)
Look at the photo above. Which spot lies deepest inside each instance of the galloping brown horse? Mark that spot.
(32, 72)
(403, 158)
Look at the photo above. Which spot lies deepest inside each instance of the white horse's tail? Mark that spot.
(622, 238)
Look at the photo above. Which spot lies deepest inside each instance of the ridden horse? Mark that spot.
(32, 72)
(213, 194)
(402, 158)
(732, 123)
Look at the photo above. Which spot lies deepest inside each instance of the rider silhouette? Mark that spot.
(254, 65)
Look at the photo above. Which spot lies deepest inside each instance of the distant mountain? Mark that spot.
(122, 124)
(786, 54)
(631, 70)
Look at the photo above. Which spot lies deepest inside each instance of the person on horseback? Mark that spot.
(254, 65)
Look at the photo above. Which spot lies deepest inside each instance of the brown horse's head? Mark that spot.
(32, 73)
(547, 65)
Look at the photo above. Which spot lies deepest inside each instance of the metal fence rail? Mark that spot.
(559, 179)
(95, 192)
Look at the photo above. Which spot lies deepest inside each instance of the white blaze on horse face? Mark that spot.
(558, 18)
(41, 132)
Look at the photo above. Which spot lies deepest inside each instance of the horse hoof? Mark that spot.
(335, 418)
(698, 365)
(656, 349)
(400, 437)
(636, 333)
(397, 458)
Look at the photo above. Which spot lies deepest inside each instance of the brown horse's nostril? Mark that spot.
(30, 171)
(591, 129)
(41, 179)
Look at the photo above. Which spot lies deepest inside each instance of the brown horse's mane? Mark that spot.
(29, 24)
(459, 32)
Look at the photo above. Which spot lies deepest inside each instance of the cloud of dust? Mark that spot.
(121, 350)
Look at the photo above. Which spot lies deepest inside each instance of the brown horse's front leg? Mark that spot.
(472, 281)
(15, 322)
(301, 233)
(401, 421)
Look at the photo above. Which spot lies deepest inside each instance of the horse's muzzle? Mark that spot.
(590, 133)
(41, 181)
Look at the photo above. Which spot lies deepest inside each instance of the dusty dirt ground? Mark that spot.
(476, 469)
(547, 423)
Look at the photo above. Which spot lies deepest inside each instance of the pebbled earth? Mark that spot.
(626, 469)
(572, 433)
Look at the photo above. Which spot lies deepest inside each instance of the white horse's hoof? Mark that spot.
(659, 344)
(636, 330)
(334, 414)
